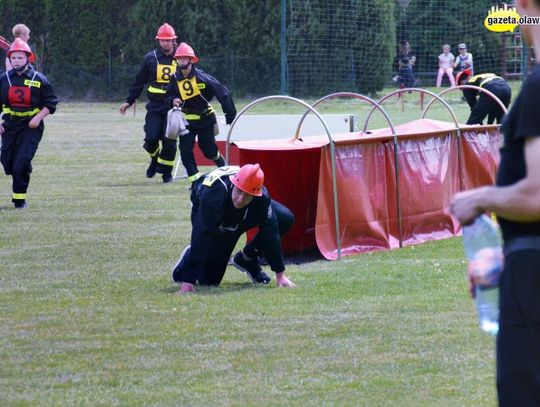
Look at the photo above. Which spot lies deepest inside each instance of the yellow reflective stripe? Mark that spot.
(152, 89)
(154, 153)
(488, 80)
(219, 172)
(165, 162)
(481, 76)
(36, 84)
(195, 177)
(19, 196)
(192, 117)
(7, 110)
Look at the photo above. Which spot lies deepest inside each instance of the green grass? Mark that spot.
(89, 317)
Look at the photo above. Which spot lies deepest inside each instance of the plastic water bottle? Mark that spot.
(483, 249)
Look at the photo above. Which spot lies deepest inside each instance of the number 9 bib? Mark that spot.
(188, 88)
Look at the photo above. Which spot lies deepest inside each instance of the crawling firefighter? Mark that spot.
(225, 204)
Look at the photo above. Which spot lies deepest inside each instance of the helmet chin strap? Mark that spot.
(186, 66)
(169, 52)
(21, 69)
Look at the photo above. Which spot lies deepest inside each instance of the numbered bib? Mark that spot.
(188, 88)
(19, 96)
(213, 176)
(164, 73)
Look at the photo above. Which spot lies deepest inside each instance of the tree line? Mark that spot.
(92, 49)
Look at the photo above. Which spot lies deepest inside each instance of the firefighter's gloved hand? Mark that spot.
(229, 117)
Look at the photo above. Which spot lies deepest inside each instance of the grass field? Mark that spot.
(89, 316)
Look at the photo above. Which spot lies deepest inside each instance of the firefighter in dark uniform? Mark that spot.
(226, 203)
(482, 105)
(156, 70)
(27, 98)
(192, 89)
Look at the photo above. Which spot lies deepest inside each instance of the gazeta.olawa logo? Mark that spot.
(501, 19)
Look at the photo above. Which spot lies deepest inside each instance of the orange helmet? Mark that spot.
(22, 46)
(249, 179)
(466, 73)
(184, 50)
(166, 32)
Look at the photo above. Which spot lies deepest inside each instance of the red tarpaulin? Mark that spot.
(291, 171)
(299, 174)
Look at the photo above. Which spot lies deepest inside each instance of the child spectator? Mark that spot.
(464, 60)
(446, 61)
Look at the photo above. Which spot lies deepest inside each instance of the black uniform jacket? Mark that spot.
(214, 214)
(26, 96)
(197, 90)
(156, 70)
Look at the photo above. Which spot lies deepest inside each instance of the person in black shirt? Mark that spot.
(27, 98)
(192, 89)
(406, 61)
(156, 70)
(516, 201)
(482, 105)
(225, 204)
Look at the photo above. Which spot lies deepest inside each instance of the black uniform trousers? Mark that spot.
(203, 130)
(19, 145)
(155, 125)
(486, 106)
(223, 244)
(518, 340)
(255, 247)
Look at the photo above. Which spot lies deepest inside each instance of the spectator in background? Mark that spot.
(406, 61)
(23, 32)
(464, 60)
(446, 62)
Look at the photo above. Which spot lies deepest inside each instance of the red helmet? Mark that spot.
(466, 73)
(166, 32)
(249, 179)
(184, 50)
(22, 46)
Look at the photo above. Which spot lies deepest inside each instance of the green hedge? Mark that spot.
(91, 49)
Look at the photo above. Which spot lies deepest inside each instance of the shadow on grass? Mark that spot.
(148, 182)
(305, 256)
(225, 288)
(7, 208)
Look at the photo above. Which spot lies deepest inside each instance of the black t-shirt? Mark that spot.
(404, 58)
(522, 121)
